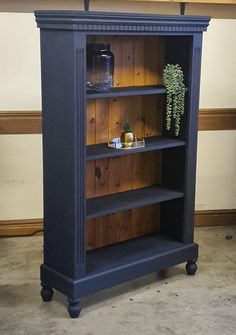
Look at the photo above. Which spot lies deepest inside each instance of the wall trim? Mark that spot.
(30, 122)
(218, 217)
(213, 2)
(217, 119)
(29, 227)
(20, 122)
(25, 227)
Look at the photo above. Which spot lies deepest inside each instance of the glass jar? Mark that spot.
(103, 67)
(90, 52)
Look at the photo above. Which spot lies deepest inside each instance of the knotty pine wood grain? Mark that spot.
(134, 65)
(127, 79)
(141, 113)
(101, 231)
(101, 168)
(90, 171)
(90, 234)
(114, 228)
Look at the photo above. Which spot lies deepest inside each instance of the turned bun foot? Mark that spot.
(46, 293)
(191, 267)
(74, 308)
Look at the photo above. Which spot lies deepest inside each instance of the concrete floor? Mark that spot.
(166, 303)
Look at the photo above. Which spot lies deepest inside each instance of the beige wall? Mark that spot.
(19, 62)
(216, 163)
(21, 164)
(28, 6)
(216, 166)
(218, 77)
(20, 177)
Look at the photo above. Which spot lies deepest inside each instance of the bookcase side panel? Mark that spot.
(63, 63)
(192, 132)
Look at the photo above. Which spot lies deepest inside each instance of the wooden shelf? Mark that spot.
(130, 252)
(127, 91)
(99, 151)
(131, 199)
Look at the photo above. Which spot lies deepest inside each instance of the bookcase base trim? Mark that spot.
(75, 289)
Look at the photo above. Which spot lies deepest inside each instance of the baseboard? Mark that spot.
(219, 217)
(29, 227)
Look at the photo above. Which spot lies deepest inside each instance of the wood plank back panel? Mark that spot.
(90, 171)
(134, 65)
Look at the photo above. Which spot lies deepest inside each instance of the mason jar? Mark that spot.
(103, 67)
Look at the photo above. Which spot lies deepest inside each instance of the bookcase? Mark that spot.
(112, 215)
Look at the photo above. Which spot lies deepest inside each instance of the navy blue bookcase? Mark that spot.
(68, 267)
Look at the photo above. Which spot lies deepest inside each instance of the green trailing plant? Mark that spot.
(126, 127)
(175, 95)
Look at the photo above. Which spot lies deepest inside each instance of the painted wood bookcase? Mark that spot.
(112, 215)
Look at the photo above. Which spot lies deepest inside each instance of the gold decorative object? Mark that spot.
(117, 144)
(127, 138)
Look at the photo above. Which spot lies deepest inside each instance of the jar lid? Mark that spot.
(102, 46)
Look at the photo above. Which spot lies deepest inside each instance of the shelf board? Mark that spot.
(130, 199)
(99, 151)
(129, 252)
(127, 91)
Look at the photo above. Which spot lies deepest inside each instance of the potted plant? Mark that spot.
(127, 135)
(175, 95)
